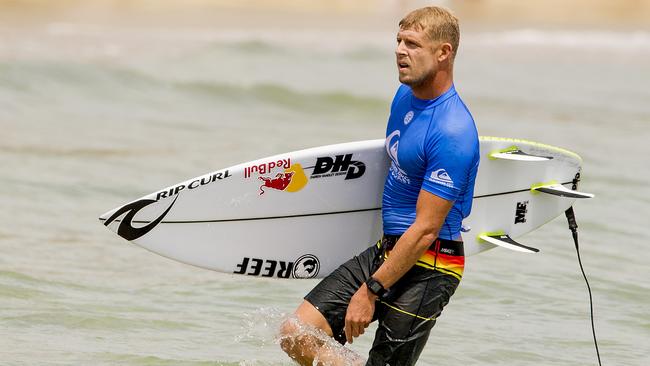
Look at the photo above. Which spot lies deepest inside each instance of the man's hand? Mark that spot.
(359, 313)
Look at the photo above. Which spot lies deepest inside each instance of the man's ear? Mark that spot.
(445, 52)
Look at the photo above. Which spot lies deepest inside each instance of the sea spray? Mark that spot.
(261, 329)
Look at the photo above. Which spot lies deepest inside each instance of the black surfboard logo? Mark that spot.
(126, 229)
(307, 266)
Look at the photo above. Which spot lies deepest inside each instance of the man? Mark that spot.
(408, 277)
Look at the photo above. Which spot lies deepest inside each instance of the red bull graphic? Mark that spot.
(280, 182)
(265, 168)
(292, 179)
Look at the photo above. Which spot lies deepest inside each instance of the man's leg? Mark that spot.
(306, 336)
(407, 314)
(298, 337)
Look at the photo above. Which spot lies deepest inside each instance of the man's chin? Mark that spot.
(410, 81)
(405, 80)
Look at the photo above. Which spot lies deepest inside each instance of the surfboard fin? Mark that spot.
(507, 242)
(562, 191)
(514, 153)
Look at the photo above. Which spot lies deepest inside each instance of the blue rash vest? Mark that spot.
(433, 145)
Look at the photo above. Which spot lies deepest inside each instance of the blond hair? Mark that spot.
(439, 23)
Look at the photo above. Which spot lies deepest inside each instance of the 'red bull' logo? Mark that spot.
(292, 179)
(280, 182)
(265, 168)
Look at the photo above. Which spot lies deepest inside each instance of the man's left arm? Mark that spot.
(431, 211)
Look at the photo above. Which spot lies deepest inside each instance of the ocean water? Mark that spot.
(94, 113)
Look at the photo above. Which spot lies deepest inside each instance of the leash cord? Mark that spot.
(573, 226)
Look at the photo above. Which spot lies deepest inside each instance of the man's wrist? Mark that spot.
(375, 287)
(371, 296)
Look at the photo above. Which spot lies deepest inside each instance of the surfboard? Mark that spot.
(301, 214)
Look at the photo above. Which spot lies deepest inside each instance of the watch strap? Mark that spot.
(375, 287)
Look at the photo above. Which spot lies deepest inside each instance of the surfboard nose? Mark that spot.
(103, 217)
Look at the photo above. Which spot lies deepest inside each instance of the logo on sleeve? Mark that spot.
(440, 176)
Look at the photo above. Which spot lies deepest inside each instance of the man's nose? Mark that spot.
(399, 50)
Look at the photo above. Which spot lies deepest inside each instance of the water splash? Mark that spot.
(261, 329)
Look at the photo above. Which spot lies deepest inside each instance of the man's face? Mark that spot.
(416, 57)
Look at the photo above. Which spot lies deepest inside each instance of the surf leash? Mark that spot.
(573, 226)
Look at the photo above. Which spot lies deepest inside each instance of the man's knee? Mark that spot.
(299, 336)
(299, 341)
(290, 331)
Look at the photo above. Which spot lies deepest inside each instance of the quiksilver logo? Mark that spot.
(393, 147)
(440, 176)
(126, 229)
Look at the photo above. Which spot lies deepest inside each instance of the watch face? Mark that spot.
(375, 287)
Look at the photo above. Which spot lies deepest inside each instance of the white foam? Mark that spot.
(583, 39)
(341, 41)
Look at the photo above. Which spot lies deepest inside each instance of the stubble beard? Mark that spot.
(416, 82)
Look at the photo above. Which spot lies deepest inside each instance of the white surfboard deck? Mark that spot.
(303, 213)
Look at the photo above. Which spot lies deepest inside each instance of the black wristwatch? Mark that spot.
(375, 287)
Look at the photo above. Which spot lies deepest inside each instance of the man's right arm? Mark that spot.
(430, 214)
(431, 211)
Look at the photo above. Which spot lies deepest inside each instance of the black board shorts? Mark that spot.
(408, 311)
